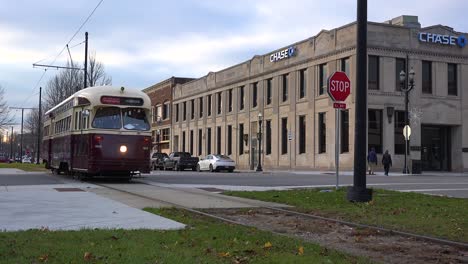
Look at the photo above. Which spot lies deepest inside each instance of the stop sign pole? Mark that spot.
(339, 88)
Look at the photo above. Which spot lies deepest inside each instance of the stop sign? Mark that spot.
(339, 86)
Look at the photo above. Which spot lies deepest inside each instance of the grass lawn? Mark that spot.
(204, 241)
(23, 166)
(423, 214)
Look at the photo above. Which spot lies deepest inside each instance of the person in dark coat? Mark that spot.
(372, 160)
(386, 162)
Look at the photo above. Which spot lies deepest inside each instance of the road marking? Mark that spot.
(433, 190)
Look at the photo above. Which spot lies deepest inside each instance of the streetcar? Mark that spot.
(99, 131)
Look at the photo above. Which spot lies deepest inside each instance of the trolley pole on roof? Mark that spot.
(86, 62)
(38, 151)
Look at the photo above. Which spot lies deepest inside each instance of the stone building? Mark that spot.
(161, 101)
(219, 112)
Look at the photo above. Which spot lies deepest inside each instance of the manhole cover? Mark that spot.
(68, 190)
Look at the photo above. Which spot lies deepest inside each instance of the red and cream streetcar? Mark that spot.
(99, 131)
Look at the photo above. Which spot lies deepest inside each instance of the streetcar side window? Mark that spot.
(135, 119)
(107, 118)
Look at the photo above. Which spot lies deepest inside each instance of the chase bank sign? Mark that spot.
(443, 39)
(283, 54)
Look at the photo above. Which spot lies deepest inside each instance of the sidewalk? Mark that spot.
(70, 207)
(351, 173)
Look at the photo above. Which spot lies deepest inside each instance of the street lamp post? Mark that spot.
(158, 140)
(259, 137)
(406, 89)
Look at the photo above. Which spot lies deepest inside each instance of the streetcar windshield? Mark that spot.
(135, 119)
(107, 118)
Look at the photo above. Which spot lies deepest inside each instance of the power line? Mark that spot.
(74, 35)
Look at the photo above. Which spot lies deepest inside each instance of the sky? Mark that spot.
(144, 42)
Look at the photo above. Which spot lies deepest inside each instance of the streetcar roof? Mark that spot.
(94, 94)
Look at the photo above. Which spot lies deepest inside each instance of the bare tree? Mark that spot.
(96, 74)
(5, 117)
(68, 81)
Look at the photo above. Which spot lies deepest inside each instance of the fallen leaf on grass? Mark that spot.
(300, 251)
(44, 258)
(88, 256)
(267, 245)
(224, 254)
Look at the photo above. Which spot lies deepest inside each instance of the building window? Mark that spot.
(241, 139)
(268, 137)
(158, 112)
(373, 73)
(302, 134)
(322, 133)
(192, 109)
(184, 111)
(427, 77)
(400, 65)
(219, 102)
(344, 120)
(165, 112)
(268, 91)
(452, 79)
(183, 141)
(399, 137)
(177, 112)
(191, 142)
(208, 105)
(200, 107)
(302, 84)
(208, 141)
(254, 95)
(200, 141)
(230, 100)
(241, 98)
(374, 137)
(229, 140)
(284, 135)
(218, 140)
(345, 65)
(166, 134)
(322, 78)
(285, 87)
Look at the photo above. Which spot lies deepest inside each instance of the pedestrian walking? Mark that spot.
(386, 162)
(372, 161)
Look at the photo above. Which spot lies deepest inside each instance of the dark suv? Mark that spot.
(157, 160)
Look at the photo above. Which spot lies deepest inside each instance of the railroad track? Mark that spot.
(281, 210)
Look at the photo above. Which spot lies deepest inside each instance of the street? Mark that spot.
(449, 184)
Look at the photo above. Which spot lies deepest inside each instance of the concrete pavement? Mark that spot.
(71, 207)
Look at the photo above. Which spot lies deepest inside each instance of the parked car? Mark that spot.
(4, 158)
(157, 160)
(180, 161)
(26, 159)
(216, 163)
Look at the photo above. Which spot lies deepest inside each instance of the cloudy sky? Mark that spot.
(143, 42)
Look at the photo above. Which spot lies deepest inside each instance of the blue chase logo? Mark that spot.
(283, 54)
(443, 39)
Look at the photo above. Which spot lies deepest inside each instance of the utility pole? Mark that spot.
(39, 124)
(22, 117)
(86, 62)
(358, 192)
(11, 143)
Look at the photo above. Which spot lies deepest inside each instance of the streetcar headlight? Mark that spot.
(123, 148)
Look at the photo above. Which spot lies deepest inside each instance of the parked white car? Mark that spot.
(26, 159)
(216, 163)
